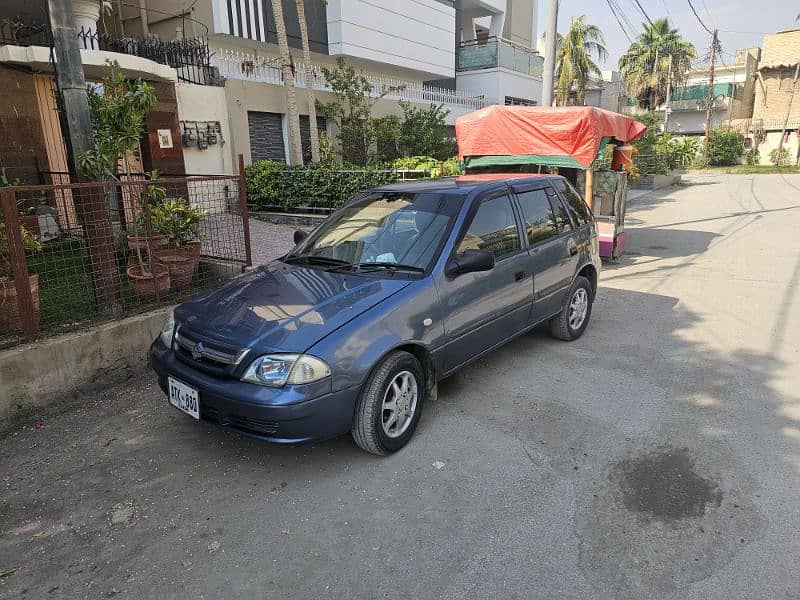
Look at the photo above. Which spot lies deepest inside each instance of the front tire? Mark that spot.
(390, 404)
(573, 319)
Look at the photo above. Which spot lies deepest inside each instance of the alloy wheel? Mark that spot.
(399, 404)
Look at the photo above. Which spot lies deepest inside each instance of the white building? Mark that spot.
(497, 57)
(408, 43)
(732, 96)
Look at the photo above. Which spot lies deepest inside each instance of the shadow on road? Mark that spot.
(122, 492)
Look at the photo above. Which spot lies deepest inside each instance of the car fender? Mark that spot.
(413, 316)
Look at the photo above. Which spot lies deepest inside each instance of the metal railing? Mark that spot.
(237, 64)
(191, 58)
(493, 52)
(19, 33)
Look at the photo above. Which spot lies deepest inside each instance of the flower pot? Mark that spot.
(181, 266)
(139, 242)
(153, 285)
(195, 248)
(9, 308)
(31, 223)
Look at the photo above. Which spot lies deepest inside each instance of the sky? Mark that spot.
(742, 23)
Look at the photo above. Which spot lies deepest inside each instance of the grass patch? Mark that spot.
(66, 288)
(747, 170)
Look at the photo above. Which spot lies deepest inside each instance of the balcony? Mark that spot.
(190, 58)
(492, 53)
(699, 104)
(235, 64)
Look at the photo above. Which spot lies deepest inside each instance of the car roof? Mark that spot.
(462, 184)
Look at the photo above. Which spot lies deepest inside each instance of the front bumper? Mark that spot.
(287, 415)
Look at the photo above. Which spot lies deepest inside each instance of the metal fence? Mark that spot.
(76, 253)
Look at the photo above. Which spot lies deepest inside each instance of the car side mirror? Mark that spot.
(470, 261)
(300, 235)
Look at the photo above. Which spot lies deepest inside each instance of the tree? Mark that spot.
(287, 74)
(118, 122)
(351, 111)
(646, 65)
(420, 132)
(574, 64)
(725, 146)
(309, 72)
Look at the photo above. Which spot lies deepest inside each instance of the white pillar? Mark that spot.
(86, 14)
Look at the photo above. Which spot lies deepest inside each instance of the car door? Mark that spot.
(483, 309)
(552, 248)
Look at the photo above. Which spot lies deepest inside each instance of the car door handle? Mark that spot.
(573, 249)
(520, 275)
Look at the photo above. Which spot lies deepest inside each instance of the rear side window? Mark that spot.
(560, 211)
(493, 228)
(576, 203)
(540, 224)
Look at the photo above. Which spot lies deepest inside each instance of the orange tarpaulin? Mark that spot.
(569, 131)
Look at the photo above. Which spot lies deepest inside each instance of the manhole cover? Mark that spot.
(665, 485)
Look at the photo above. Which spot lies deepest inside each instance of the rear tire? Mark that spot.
(390, 404)
(573, 319)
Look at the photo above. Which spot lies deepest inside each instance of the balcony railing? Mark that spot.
(492, 52)
(235, 64)
(191, 58)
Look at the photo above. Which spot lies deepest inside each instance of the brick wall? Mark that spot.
(22, 145)
(780, 53)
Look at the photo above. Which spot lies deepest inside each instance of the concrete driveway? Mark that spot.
(657, 457)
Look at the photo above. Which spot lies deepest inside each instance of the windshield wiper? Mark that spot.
(313, 259)
(366, 267)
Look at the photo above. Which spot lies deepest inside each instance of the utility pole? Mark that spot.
(710, 95)
(788, 113)
(90, 203)
(71, 82)
(548, 75)
(667, 108)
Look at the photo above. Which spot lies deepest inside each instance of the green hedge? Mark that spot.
(276, 186)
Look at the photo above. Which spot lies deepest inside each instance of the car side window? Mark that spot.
(560, 211)
(493, 228)
(576, 203)
(540, 224)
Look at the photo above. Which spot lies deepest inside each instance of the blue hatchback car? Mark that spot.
(402, 286)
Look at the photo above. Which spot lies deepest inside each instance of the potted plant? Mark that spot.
(147, 277)
(9, 308)
(179, 222)
(139, 240)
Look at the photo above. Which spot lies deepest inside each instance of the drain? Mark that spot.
(665, 485)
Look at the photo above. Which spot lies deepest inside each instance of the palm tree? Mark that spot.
(574, 64)
(645, 66)
(292, 116)
(309, 71)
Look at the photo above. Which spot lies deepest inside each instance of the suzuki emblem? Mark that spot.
(197, 351)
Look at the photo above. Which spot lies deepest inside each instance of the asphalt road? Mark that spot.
(657, 457)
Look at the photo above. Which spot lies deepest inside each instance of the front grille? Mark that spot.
(207, 355)
(246, 424)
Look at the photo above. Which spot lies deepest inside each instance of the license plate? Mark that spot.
(183, 397)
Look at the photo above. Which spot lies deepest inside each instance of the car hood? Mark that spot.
(283, 307)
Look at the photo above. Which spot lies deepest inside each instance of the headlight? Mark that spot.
(168, 329)
(276, 370)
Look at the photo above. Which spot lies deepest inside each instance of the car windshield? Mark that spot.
(392, 231)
